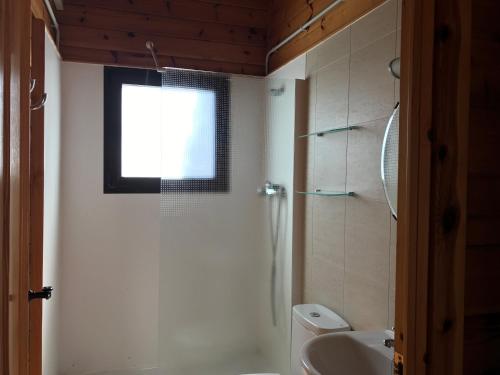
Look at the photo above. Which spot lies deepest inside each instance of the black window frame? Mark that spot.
(114, 78)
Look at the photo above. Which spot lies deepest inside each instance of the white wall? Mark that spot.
(51, 229)
(109, 246)
(128, 302)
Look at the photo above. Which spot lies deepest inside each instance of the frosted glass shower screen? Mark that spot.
(215, 262)
(195, 133)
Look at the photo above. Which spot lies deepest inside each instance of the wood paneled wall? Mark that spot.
(482, 285)
(222, 35)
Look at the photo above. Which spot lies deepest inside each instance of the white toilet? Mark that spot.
(309, 321)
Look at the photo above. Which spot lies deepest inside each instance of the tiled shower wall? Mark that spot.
(350, 242)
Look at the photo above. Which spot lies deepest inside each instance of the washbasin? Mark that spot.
(348, 353)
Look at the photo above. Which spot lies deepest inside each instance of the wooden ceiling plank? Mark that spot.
(280, 29)
(125, 21)
(185, 9)
(144, 60)
(135, 43)
(251, 4)
(344, 15)
(285, 10)
(288, 16)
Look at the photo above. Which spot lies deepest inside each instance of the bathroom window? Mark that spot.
(174, 136)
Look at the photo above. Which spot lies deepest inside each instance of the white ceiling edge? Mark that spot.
(295, 69)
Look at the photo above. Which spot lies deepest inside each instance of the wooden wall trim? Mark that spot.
(19, 27)
(4, 176)
(433, 173)
(413, 186)
(36, 193)
(450, 135)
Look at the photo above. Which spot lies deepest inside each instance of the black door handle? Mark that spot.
(45, 293)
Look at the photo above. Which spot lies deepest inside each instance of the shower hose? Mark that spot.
(274, 229)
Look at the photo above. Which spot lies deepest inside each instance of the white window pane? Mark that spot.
(141, 155)
(168, 132)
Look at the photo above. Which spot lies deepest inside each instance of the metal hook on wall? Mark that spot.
(40, 103)
(32, 84)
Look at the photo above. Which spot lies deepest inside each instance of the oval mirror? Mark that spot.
(389, 161)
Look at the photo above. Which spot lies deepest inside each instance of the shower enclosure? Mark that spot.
(227, 264)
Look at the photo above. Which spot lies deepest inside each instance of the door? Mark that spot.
(21, 188)
(38, 292)
(14, 185)
(432, 199)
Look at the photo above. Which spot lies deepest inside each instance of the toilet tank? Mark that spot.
(308, 321)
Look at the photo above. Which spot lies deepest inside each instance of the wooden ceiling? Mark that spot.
(286, 16)
(219, 35)
(230, 36)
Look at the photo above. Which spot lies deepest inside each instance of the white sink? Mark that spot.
(348, 353)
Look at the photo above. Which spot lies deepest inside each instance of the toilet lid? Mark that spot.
(319, 319)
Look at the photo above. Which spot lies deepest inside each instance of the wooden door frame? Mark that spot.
(435, 67)
(15, 184)
(4, 121)
(36, 193)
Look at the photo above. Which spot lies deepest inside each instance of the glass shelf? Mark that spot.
(327, 131)
(326, 193)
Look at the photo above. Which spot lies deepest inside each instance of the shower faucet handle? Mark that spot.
(270, 189)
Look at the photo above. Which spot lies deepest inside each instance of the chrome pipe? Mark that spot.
(55, 24)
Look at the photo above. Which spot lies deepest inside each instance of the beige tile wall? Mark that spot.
(350, 242)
